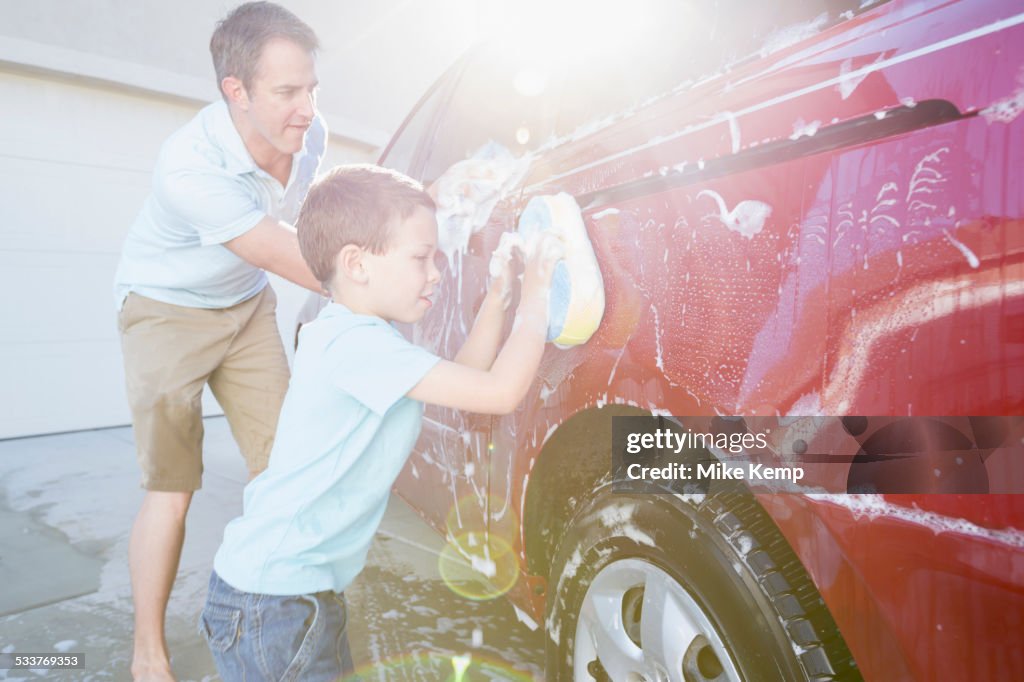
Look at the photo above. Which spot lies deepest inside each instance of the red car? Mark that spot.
(797, 208)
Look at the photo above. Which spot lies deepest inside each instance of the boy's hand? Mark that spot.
(500, 269)
(543, 255)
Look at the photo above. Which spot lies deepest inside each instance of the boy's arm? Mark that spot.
(484, 339)
(501, 388)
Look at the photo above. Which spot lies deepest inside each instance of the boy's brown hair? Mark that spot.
(354, 204)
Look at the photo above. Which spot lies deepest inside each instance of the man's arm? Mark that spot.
(273, 246)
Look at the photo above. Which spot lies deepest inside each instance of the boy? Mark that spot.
(352, 413)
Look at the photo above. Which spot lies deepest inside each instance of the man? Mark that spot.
(195, 307)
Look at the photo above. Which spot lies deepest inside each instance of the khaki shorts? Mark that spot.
(171, 352)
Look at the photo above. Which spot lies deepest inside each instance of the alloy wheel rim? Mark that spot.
(638, 624)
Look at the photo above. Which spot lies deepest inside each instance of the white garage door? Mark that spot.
(75, 165)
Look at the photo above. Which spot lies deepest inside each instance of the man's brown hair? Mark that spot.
(238, 40)
(355, 204)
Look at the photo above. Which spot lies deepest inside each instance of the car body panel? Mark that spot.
(831, 228)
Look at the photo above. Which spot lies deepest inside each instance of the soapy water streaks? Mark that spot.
(924, 188)
(802, 129)
(850, 78)
(747, 217)
(791, 35)
(734, 130)
(926, 180)
(466, 196)
(1008, 108)
(874, 507)
(972, 259)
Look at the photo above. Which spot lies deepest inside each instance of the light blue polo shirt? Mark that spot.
(208, 190)
(345, 431)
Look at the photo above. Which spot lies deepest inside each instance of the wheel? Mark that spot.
(653, 588)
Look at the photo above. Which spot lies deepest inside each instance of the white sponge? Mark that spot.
(576, 299)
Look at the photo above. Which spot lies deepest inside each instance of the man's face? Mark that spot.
(402, 280)
(281, 100)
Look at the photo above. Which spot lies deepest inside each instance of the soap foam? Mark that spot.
(468, 192)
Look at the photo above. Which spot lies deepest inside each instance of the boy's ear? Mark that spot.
(235, 92)
(350, 263)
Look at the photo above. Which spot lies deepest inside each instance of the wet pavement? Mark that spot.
(67, 502)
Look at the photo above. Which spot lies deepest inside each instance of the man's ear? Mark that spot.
(350, 264)
(235, 92)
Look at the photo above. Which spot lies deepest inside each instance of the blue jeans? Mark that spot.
(269, 638)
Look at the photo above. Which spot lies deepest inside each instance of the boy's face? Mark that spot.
(402, 280)
(282, 96)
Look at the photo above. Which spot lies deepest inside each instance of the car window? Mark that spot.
(411, 137)
(690, 41)
(500, 102)
(496, 99)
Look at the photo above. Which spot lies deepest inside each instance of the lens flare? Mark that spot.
(478, 566)
(479, 561)
(460, 664)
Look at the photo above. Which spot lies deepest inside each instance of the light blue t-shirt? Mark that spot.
(207, 190)
(345, 431)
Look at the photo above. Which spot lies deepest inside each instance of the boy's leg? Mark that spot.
(251, 382)
(344, 652)
(271, 637)
(304, 637)
(228, 625)
(169, 352)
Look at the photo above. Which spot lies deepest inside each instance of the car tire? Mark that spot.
(685, 589)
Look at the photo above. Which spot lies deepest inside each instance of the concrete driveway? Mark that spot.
(67, 502)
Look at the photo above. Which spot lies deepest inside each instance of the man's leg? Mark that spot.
(169, 352)
(153, 553)
(251, 382)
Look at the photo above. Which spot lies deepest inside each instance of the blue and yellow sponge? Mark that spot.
(576, 300)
